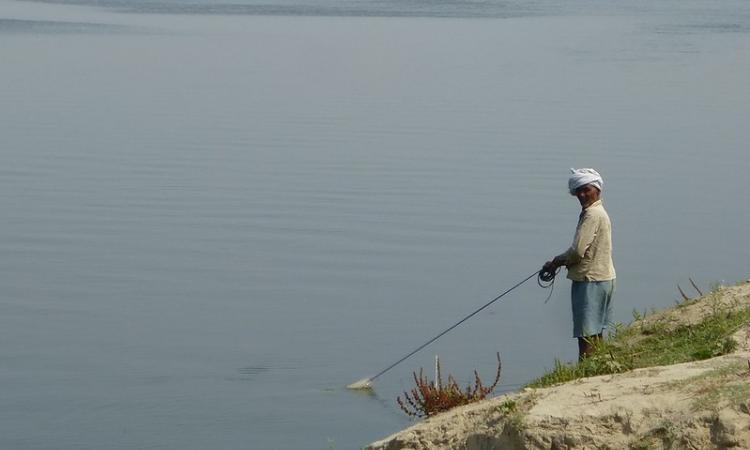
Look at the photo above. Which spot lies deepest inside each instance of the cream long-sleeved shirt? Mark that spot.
(590, 256)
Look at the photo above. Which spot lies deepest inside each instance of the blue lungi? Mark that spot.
(592, 306)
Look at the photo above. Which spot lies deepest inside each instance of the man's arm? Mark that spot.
(585, 234)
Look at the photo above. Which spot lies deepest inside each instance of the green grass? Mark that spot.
(723, 385)
(514, 412)
(655, 344)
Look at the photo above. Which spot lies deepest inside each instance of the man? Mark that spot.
(589, 262)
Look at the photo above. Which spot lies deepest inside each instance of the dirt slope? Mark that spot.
(696, 405)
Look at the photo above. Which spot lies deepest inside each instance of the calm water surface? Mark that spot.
(215, 216)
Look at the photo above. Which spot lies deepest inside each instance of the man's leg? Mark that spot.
(586, 345)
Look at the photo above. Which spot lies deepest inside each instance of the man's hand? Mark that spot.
(551, 266)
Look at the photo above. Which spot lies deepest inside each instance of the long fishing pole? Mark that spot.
(544, 276)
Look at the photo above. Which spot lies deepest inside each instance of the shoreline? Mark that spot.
(696, 404)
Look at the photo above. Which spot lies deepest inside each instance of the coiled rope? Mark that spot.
(546, 280)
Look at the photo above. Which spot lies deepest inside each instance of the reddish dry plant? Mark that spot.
(429, 398)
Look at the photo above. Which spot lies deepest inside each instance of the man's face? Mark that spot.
(587, 195)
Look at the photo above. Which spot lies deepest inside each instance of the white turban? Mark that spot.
(582, 177)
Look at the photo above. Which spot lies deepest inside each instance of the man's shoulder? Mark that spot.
(596, 211)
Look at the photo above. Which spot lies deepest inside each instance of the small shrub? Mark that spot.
(428, 398)
(508, 407)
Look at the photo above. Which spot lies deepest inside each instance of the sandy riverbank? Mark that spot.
(695, 405)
